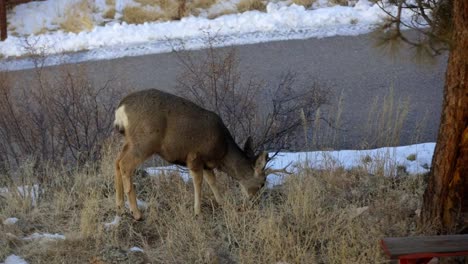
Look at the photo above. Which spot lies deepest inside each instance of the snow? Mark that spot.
(141, 204)
(136, 249)
(415, 159)
(44, 236)
(10, 221)
(13, 259)
(36, 237)
(119, 39)
(114, 222)
(25, 191)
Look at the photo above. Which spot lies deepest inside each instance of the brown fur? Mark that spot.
(155, 122)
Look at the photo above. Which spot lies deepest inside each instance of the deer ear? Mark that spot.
(248, 149)
(261, 161)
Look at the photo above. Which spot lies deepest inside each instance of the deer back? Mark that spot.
(172, 127)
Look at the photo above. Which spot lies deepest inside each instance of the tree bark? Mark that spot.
(446, 197)
(3, 21)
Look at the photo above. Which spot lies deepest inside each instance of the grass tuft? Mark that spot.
(78, 18)
(109, 13)
(305, 3)
(139, 15)
(339, 2)
(248, 5)
(411, 157)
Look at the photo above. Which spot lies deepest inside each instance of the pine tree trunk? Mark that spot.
(446, 197)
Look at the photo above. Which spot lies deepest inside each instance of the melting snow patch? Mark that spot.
(26, 192)
(114, 222)
(10, 221)
(136, 249)
(184, 174)
(391, 158)
(13, 259)
(141, 204)
(46, 236)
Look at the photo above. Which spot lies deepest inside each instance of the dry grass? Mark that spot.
(222, 13)
(78, 18)
(312, 218)
(170, 9)
(109, 13)
(149, 2)
(305, 3)
(339, 2)
(386, 119)
(138, 15)
(203, 4)
(160, 10)
(247, 5)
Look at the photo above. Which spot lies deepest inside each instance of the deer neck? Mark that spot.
(236, 164)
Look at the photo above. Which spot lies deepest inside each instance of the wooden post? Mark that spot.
(3, 20)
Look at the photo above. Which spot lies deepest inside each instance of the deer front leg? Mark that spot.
(197, 176)
(211, 179)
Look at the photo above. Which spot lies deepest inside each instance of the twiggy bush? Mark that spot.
(63, 120)
(214, 81)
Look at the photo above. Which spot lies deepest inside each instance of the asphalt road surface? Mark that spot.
(352, 67)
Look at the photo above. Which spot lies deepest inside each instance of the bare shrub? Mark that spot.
(63, 119)
(215, 82)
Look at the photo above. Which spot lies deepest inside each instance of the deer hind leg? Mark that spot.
(119, 190)
(130, 159)
(196, 171)
(211, 179)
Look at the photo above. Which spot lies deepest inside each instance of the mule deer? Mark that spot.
(155, 122)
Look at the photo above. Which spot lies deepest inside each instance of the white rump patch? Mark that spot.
(121, 118)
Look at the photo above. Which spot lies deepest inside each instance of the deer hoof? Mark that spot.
(137, 216)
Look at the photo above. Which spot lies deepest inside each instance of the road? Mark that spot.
(351, 66)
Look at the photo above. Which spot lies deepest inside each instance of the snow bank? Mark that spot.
(13, 259)
(114, 222)
(10, 221)
(279, 22)
(414, 159)
(26, 191)
(45, 236)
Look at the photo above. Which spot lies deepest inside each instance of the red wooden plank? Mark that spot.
(427, 255)
(395, 247)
